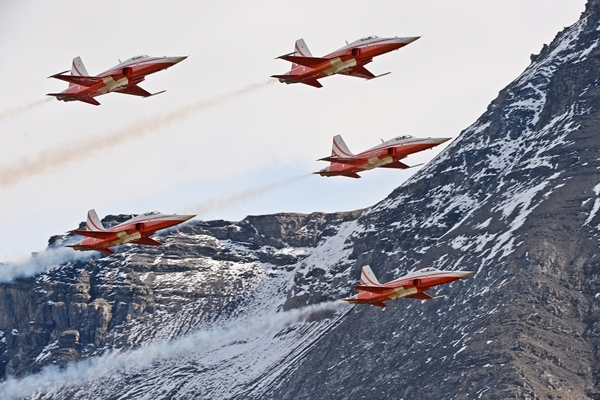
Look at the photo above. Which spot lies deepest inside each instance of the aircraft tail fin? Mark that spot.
(300, 50)
(339, 148)
(93, 222)
(367, 277)
(78, 69)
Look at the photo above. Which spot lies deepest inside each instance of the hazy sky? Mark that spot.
(440, 84)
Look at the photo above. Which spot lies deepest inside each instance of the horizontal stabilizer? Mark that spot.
(135, 90)
(285, 55)
(147, 241)
(312, 82)
(94, 234)
(60, 73)
(78, 80)
(424, 296)
(310, 62)
(399, 165)
(372, 289)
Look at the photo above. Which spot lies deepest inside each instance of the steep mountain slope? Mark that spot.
(515, 198)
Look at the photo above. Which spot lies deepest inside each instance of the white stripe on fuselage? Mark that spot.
(353, 45)
(337, 65)
(144, 218)
(429, 274)
(134, 63)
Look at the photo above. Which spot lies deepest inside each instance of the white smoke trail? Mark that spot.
(14, 172)
(39, 263)
(13, 112)
(52, 378)
(222, 203)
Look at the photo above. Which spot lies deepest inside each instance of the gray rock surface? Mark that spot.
(515, 198)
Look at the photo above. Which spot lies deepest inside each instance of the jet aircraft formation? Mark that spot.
(349, 60)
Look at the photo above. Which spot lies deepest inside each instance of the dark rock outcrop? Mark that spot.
(516, 198)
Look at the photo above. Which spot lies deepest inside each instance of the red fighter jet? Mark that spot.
(411, 285)
(349, 60)
(122, 78)
(137, 230)
(385, 155)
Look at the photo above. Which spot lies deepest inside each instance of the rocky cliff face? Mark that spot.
(514, 198)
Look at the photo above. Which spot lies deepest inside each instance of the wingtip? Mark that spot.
(60, 73)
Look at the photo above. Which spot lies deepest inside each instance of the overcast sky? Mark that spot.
(439, 85)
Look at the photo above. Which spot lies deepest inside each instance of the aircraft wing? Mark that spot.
(310, 62)
(344, 160)
(94, 234)
(398, 164)
(359, 72)
(423, 296)
(147, 241)
(89, 100)
(78, 80)
(135, 90)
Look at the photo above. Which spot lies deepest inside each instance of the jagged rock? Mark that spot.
(69, 339)
(515, 198)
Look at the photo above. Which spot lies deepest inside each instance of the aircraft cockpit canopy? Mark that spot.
(428, 269)
(151, 213)
(361, 40)
(404, 137)
(136, 58)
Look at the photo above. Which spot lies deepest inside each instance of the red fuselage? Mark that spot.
(386, 155)
(412, 285)
(348, 60)
(136, 230)
(122, 78)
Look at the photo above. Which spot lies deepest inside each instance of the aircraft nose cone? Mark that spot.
(464, 274)
(441, 140)
(185, 217)
(407, 40)
(176, 60)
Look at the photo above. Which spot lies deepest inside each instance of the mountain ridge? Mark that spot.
(514, 198)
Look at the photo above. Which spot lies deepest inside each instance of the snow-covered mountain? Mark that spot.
(220, 311)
